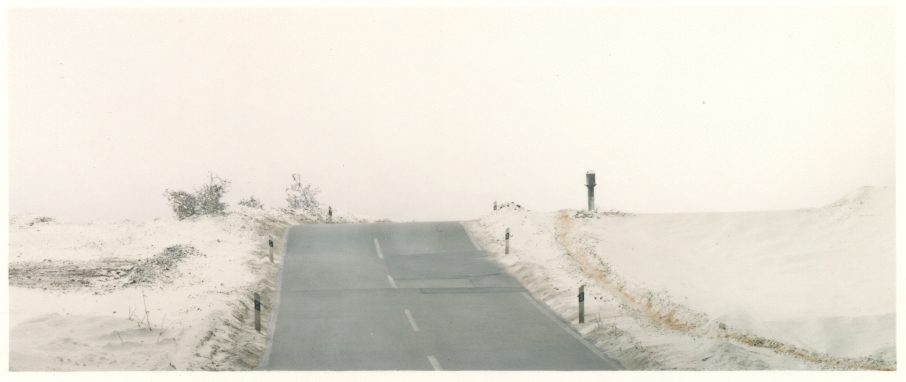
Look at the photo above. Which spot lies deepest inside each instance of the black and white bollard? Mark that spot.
(590, 183)
(270, 242)
(329, 214)
(507, 239)
(582, 304)
(257, 312)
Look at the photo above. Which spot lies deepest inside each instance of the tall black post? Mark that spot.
(582, 304)
(257, 312)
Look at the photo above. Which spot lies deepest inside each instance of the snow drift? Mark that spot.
(160, 295)
(806, 289)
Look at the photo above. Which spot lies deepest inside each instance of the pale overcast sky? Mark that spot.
(433, 114)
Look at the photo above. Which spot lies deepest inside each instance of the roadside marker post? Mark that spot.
(258, 312)
(329, 214)
(582, 304)
(507, 250)
(590, 183)
(270, 242)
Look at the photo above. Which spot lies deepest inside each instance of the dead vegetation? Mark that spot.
(103, 275)
(69, 275)
(163, 266)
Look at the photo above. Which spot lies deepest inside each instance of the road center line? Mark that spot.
(411, 320)
(393, 284)
(573, 333)
(380, 254)
(434, 363)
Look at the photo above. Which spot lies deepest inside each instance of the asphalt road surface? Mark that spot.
(411, 296)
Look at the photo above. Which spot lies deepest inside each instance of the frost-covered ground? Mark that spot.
(79, 291)
(806, 289)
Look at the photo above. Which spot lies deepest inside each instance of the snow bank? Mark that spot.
(808, 289)
(160, 295)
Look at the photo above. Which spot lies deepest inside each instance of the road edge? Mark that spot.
(550, 313)
(272, 320)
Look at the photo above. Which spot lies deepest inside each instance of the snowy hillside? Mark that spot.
(79, 291)
(807, 289)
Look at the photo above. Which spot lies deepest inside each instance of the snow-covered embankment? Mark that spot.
(806, 289)
(79, 291)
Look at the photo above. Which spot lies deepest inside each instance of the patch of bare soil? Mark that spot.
(103, 275)
(163, 266)
(69, 275)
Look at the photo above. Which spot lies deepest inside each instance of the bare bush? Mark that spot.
(42, 219)
(251, 202)
(183, 203)
(304, 197)
(204, 201)
(209, 196)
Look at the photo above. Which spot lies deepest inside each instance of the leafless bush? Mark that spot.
(298, 196)
(204, 201)
(183, 203)
(209, 196)
(512, 205)
(251, 202)
(42, 219)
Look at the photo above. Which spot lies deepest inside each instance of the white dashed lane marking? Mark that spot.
(411, 320)
(434, 363)
(380, 254)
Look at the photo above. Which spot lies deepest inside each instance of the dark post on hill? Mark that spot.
(257, 312)
(590, 183)
(582, 304)
(270, 242)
